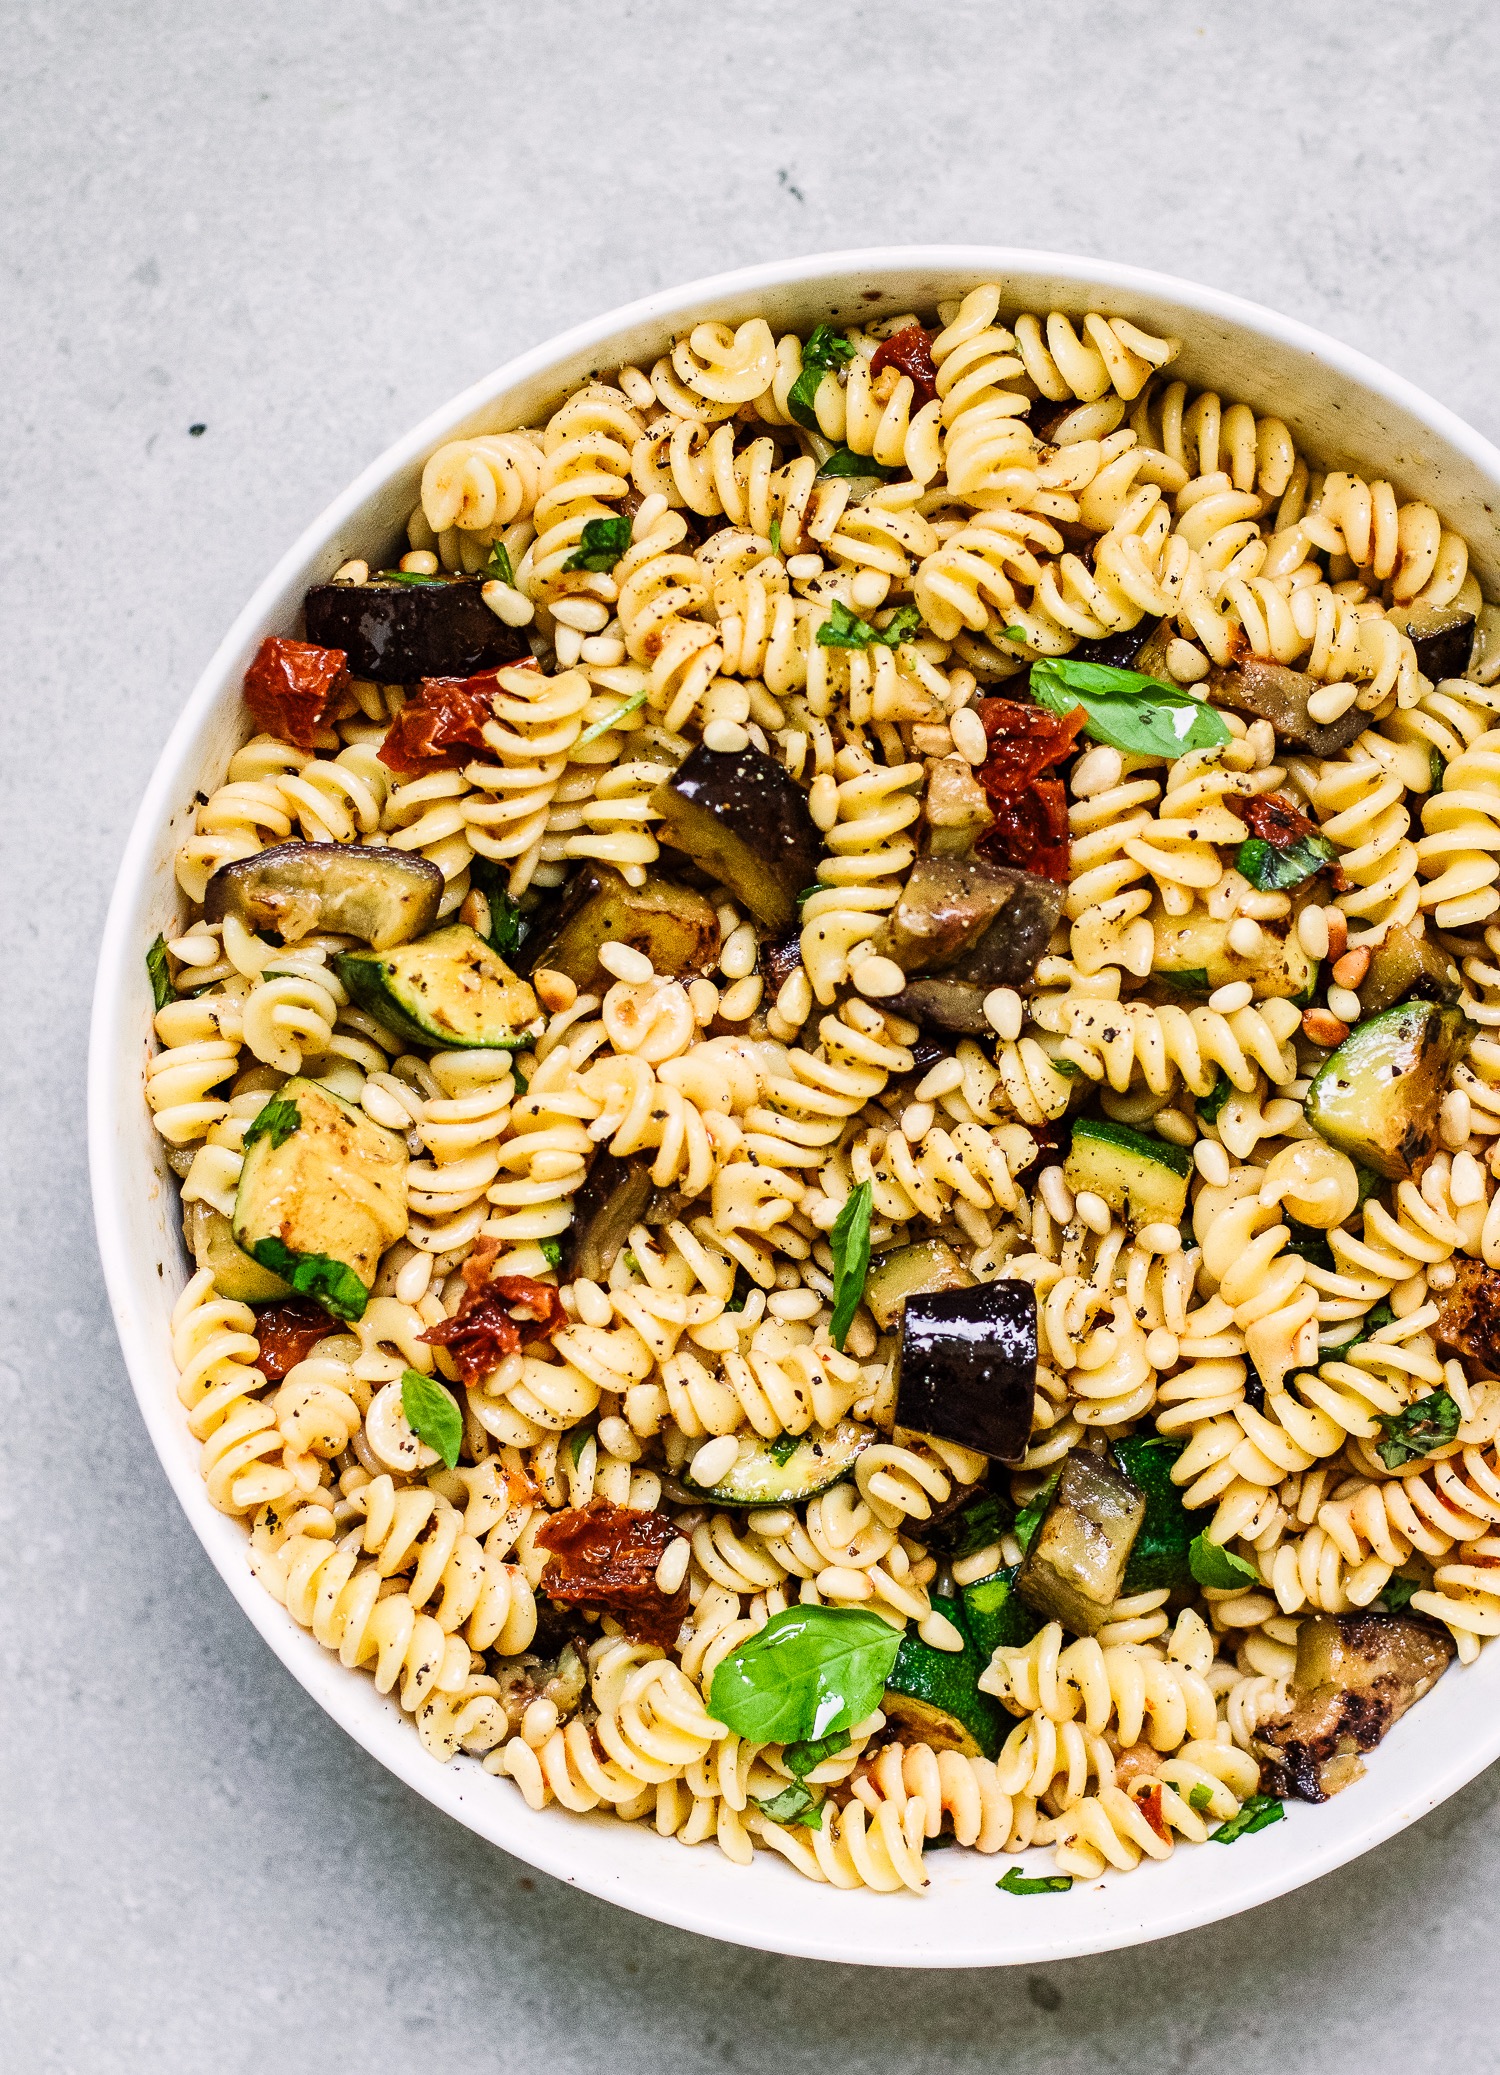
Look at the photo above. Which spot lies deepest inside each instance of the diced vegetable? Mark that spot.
(1144, 1179)
(944, 1004)
(677, 929)
(968, 1367)
(1469, 1318)
(616, 1196)
(1075, 1568)
(384, 896)
(1271, 691)
(1442, 635)
(1258, 1812)
(237, 1275)
(767, 1473)
(291, 687)
(935, 1696)
(779, 959)
(1275, 870)
(1407, 967)
(321, 1206)
(1428, 1423)
(1376, 1098)
(1356, 1674)
(1018, 1883)
(1193, 952)
(396, 631)
(449, 990)
(995, 1615)
(954, 808)
(605, 1557)
(1159, 1553)
(603, 542)
(738, 815)
(1146, 716)
(980, 922)
(1218, 1568)
(909, 351)
(911, 1271)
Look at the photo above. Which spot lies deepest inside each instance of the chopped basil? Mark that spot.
(843, 461)
(1142, 715)
(811, 1670)
(162, 990)
(604, 542)
(794, 1804)
(522, 1084)
(578, 1441)
(1369, 1182)
(1200, 1798)
(850, 1244)
(612, 720)
(631, 1262)
(1421, 1428)
(776, 536)
(1437, 768)
(277, 1121)
(1396, 1594)
(783, 1449)
(409, 576)
(805, 896)
(1219, 1568)
(499, 564)
(432, 1414)
(978, 1525)
(1013, 634)
(1309, 1244)
(1379, 1315)
(509, 927)
(1017, 1883)
(332, 1283)
(845, 629)
(824, 350)
(802, 1758)
(1273, 870)
(1029, 1519)
(552, 1252)
(1257, 1813)
(1210, 1105)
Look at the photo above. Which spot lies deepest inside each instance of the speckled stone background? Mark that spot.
(299, 226)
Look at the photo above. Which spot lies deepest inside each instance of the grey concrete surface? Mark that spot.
(299, 226)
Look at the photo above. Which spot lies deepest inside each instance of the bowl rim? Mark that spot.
(876, 1931)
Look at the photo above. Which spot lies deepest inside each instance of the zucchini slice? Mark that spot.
(1192, 953)
(934, 1694)
(785, 1472)
(210, 1237)
(321, 1196)
(1144, 1179)
(912, 1271)
(449, 989)
(1404, 965)
(1376, 1098)
(994, 1614)
(383, 896)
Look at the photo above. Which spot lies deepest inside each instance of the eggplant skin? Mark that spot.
(1270, 691)
(1469, 1318)
(736, 813)
(968, 1367)
(616, 1196)
(395, 633)
(385, 896)
(941, 1003)
(677, 929)
(974, 920)
(1356, 1675)
(1118, 650)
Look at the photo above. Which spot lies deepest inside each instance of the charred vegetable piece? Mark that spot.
(1356, 1675)
(1405, 967)
(1469, 1320)
(934, 1694)
(384, 896)
(616, 1196)
(1442, 635)
(1271, 691)
(1120, 651)
(968, 1367)
(237, 1275)
(779, 959)
(321, 1196)
(1193, 952)
(676, 928)
(984, 923)
(785, 1472)
(1159, 1554)
(1076, 1565)
(288, 1333)
(995, 1615)
(1377, 1097)
(738, 815)
(944, 1004)
(1143, 1178)
(911, 1271)
(396, 631)
(449, 989)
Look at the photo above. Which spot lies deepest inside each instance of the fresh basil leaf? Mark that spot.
(1273, 870)
(1396, 1594)
(794, 1804)
(805, 896)
(604, 542)
(1014, 634)
(162, 990)
(824, 350)
(1200, 1798)
(1437, 769)
(1029, 1519)
(1369, 1182)
(277, 1121)
(1219, 1568)
(1258, 1813)
(775, 536)
(509, 927)
(552, 1252)
(432, 1414)
(612, 720)
(332, 1283)
(843, 461)
(809, 1671)
(409, 576)
(783, 1449)
(845, 629)
(1211, 1104)
(578, 1441)
(1428, 1424)
(499, 564)
(1018, 1883)
(1379, 1315)
(802, 1758)
(1141, 715)
(850, 1244)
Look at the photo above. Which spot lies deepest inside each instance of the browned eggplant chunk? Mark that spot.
(395, 631)
(384, 896)
(1075, 1566)
(616, 1196)
(945, 1004)
(738, 815)
(1270, 691)
(1442, 635)
(1404, 968)
(972, 919)
(968, 1365)
(955, 807)
(1469, 1320)
(676, 928)
(779, 959)
(1356, 1674)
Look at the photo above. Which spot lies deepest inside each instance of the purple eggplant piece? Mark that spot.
(398, 632)
(968, 1367)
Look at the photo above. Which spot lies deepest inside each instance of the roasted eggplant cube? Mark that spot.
(385, 897)
(616, 1195)
(1076, 1564)
(1468, 1320)
(1271, 691)
(968, 1367)
(939, 1003)
(1442, 635)
(738, 815)
(1121, 650)
(1356, 1675)
(973, 920)
(1406, 967)
(396, 631)
(677, 929)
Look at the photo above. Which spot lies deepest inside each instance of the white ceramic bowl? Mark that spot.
(1340, 406)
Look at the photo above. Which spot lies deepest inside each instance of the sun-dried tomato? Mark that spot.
(1149, 1804)
(442, 725)
(291, 686)
(494, 1320)
(1024, 740)
(605, 1557)
(288, 1333)
(1273, 818)
(1030, 830)
(909, 351)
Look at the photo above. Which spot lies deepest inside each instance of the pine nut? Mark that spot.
(1003, 1010)
(1175, 1127)
(794, 1304)
(602, 652)
(737, 959)
(1225, 1000)
(567, 644)
(1159, 1238)
(538, 1722)
(704, 997)
(616, 1439)
(740, 1002)
(794, 1002)
(1323, 1029)
(727, 737)
(355, 572)
(1312, 931)
(823, 801)
(714, 1461)
(943, 1079)
(1338, 931)
(1212, 1162)
(1161, 1349)
(507, 604)
(1092, 1210)
(626, 963)
(938, 1632)
(878, 977)
(1334, 699)
(1052, 1187)
(803, 568)
(1185, 663)
(1351, 969)
(1261, 737)
(969, 738)
(1343, 1003)
(420, 562)
(868, 590)
(673, 1567)
(1466, 1183)
(1455, 1118)
(1098, 770)
(918, 1118)
(1246, 938)
(555, 991)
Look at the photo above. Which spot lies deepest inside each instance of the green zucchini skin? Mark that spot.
(995, 1615)
(935, 1693)
(820, 1459)
(1144, 1179)
(448, 990)
(1376, 1098)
